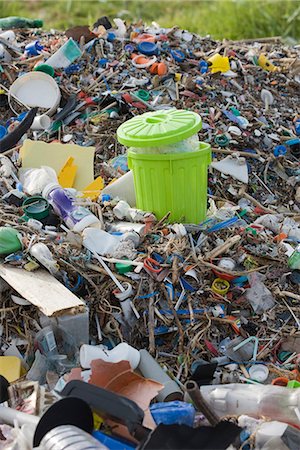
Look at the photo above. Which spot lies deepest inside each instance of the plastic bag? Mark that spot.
(35, 180)
(258, 295)
(10, 241)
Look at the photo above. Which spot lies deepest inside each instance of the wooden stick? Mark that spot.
(223, 247)
(230, 152)
(151, 321)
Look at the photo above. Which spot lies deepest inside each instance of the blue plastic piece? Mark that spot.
(111, 36)
(102, 62)
(73, 68)
(129, 48)
(21, 116)
(178, 55)
(279, 150)
(112, 443)
(148, 48)
(34, 48)
(3, 131)
(203, 66)
(297, 127)
(170, 413)
(105, 197)
(293, 142)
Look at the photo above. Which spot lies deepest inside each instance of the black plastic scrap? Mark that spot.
(11, 139)
(175, 437)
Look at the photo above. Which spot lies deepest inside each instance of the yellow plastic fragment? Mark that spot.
(67, 174)
(219, 63)
(93, 190)
(265, 64)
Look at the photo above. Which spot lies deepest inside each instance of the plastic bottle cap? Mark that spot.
(222, 140)
(124, 268)
(148, 48)
(36, 207)
(102, 62)
(220, 286)
(105, 197)
(111, 36)
(143, 95)
(45, 68)
(178, 55)
(280, 150)
(159, 128)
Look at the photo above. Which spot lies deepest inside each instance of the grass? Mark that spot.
(232, 19)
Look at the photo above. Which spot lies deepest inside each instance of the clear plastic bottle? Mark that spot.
(7, 23)
(274, 402)
(76, 217)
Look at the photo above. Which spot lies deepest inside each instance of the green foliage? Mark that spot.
(232, 19)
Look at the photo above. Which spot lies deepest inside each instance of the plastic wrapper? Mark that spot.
(258, 295)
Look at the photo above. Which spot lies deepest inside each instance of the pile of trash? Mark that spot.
(128, 327)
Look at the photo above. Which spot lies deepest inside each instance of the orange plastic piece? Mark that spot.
(145, 37)
(162, 69)
(280, 237)
(280, 381)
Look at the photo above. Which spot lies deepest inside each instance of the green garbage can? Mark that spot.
(167, 175)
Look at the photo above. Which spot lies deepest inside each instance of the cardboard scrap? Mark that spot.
(41, 289)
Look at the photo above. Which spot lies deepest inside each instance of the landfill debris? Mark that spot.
(149, 239)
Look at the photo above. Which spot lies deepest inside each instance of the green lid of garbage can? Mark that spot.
(163, 127)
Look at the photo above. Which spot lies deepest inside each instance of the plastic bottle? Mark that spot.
(77, 218)
(65, 55)
(6, 23)
(274, 402)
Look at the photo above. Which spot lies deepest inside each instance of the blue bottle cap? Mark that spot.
(105, 197)
(147, 48)
(129, 48)
(111, 36)
(178, 55)
(102, 62)
(3, 131)
(279, 150)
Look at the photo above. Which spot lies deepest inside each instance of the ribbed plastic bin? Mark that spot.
(175, 182)
(165, 178)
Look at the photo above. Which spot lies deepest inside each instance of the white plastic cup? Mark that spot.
(122, 352)
(42, 122)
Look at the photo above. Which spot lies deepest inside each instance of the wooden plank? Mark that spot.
(41, 289)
